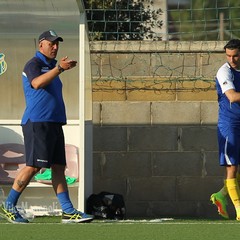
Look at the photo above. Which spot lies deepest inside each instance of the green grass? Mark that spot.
(177, 229)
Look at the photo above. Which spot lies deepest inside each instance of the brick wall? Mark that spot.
(155, 114)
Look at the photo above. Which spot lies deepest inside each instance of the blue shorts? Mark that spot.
(229, 145)
(44, 144)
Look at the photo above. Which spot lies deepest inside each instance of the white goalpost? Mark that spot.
(85, 114)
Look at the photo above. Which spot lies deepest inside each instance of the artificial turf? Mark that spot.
(167, 229)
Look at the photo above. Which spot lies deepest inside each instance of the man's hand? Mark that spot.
(67, 64)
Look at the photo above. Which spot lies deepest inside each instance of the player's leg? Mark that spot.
(60, 187)
(220, 198)
(70, 214)
(233, 188)
(8, 210)
(229, 158)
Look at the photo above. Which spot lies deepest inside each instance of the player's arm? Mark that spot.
(44, 79)
(232, 95)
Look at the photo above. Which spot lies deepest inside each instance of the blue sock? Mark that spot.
(65, 202)
(12, 199)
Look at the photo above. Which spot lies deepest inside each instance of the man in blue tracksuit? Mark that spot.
(42, 123)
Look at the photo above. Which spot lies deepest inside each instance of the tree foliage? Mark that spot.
(122, 19)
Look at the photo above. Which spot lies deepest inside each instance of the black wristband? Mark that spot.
(60, 69)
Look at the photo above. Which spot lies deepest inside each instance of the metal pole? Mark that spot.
(221, 26)
(164, 7)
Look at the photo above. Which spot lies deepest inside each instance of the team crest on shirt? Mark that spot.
(3, 64)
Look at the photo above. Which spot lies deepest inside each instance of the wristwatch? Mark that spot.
(60, 69)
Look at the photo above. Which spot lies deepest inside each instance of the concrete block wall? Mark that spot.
(163, 164)
(158, 150)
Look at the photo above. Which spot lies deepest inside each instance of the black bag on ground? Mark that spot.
(106, 205)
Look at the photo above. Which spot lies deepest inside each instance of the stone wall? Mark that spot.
(155, 115)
